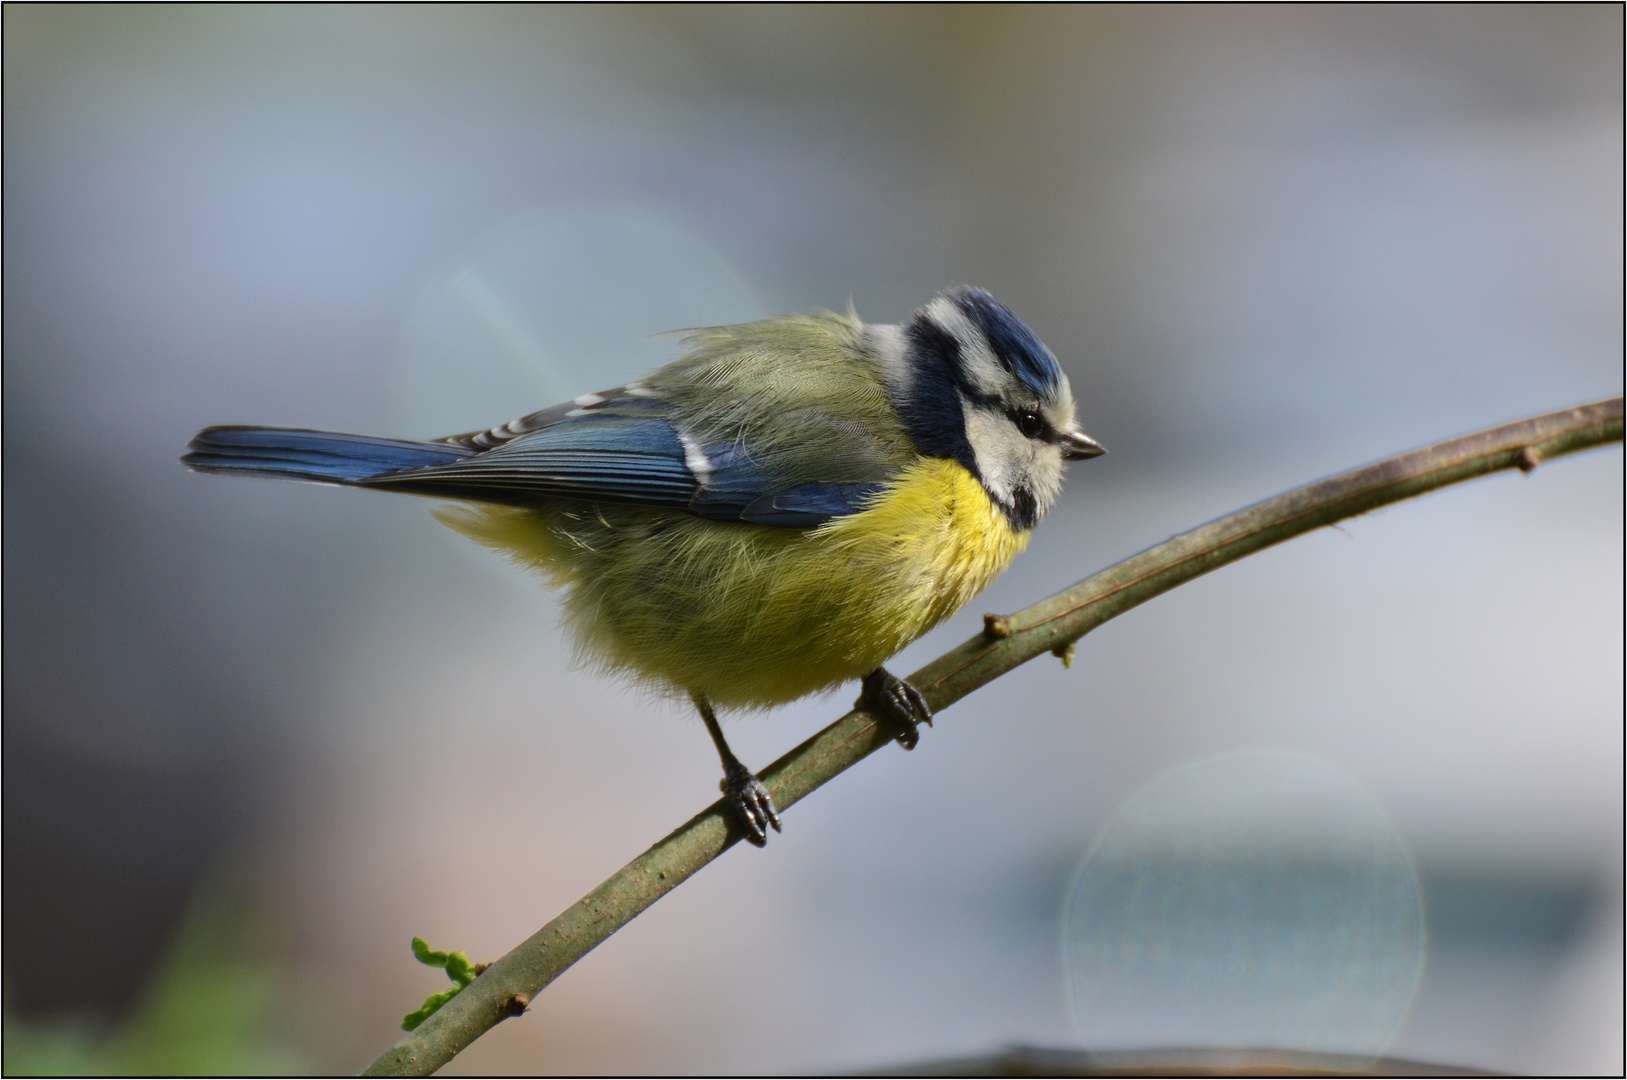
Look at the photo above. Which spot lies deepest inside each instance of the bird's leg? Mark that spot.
(745, 791)
(891, 698)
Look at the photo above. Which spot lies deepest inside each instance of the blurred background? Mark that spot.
(258, 735)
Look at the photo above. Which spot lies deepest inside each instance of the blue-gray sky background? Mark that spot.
(1266, 244)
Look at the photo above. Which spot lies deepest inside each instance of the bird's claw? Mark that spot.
(892, 698)
(751, 801)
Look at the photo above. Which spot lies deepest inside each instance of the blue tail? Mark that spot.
(324, 456)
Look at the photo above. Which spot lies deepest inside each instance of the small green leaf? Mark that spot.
(426, 955)
(431, 1005)
(457, 966)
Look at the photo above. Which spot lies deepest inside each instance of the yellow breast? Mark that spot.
(933, 542)
(754, 616)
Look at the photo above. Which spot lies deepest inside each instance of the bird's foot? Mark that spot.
(891, 698)
(750, 800)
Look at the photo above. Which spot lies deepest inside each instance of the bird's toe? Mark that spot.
(752, 803)
(895, 699)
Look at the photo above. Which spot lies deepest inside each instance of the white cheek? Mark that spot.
(1045, 475)
(1007, 460)
(999, 448)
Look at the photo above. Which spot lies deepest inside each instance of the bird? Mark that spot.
(777, 512)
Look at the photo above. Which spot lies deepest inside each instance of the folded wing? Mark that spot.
(619, 446)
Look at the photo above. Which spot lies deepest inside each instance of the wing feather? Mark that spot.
(784, 423)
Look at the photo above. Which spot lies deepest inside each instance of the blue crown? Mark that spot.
(1015, 345)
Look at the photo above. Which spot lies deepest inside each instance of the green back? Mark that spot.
(803, 391)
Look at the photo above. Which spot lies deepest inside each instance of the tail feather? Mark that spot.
(323, 456)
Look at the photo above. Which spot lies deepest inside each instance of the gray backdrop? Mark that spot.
(1266, 243)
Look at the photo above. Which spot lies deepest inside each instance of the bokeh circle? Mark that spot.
(1260, 899)
(551, 304)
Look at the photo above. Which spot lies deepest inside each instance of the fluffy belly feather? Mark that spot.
(753, 616)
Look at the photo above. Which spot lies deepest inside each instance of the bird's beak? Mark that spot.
(1077, 446)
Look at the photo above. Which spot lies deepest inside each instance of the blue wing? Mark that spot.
(627, 449)
(613, 458)
(738, 485)
(620, 446)
(322, 456)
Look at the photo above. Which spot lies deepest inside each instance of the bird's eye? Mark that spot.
(1030, 425)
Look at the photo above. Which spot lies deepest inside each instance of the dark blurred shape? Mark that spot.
(207, 1008)
(1479, 908)
(119, 785)
(67, 910)
(1040, 1061)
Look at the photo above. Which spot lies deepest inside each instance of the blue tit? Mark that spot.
(778, 511)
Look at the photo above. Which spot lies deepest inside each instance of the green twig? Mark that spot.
(1051, 626)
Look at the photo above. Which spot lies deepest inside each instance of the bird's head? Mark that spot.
(975, 384)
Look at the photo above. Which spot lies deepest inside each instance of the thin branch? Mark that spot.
(508, 986)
